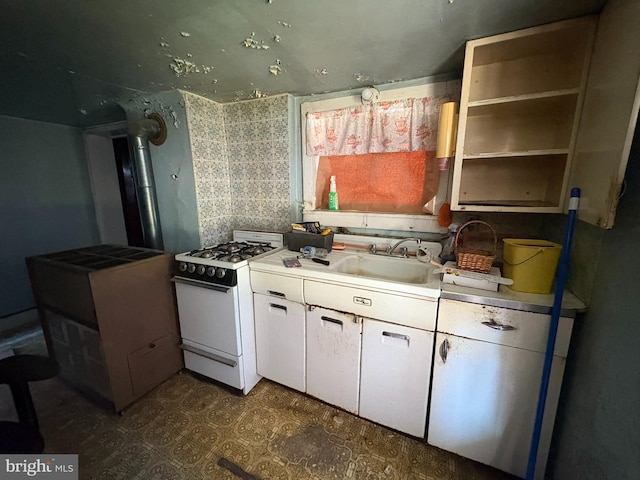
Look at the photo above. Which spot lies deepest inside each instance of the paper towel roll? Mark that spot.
(447, 129)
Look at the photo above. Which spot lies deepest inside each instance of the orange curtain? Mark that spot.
(400, 182)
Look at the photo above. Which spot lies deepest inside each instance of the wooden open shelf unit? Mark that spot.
(521, 98)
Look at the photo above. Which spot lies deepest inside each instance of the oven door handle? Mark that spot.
(198, 283)
(210, 356)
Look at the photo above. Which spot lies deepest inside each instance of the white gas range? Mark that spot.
(215, 306)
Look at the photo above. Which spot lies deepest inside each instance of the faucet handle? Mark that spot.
(373, 248)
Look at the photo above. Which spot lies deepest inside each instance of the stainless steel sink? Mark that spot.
(384, 268)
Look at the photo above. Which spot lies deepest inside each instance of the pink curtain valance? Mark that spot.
(399, 126)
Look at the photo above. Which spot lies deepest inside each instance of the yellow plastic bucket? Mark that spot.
(531, 264)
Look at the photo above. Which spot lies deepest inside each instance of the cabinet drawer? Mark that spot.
(503, 326)
(412, 312)
(277, 285)
(154, 363)
(212, 363)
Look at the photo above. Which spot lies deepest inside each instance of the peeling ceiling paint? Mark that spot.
(72, 62)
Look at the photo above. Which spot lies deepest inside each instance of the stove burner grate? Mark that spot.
(232, 251)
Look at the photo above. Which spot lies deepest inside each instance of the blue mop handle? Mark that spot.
(561, 281)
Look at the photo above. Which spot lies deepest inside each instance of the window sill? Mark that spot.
(375, 221)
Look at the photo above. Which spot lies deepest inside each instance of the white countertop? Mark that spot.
(315, 271)
(433, 288)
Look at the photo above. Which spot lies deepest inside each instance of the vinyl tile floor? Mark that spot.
(192, 428)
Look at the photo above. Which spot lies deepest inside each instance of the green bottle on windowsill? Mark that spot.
(333, 194)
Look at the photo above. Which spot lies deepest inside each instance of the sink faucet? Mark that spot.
(389, 250)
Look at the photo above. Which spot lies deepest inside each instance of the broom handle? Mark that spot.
(561, 280)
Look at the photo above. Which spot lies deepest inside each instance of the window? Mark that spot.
(397, 182)
(377, 189)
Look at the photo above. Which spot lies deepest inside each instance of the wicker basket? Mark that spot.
(475, 259)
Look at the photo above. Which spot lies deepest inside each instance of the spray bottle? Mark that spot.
(333, 194)
(449, 249)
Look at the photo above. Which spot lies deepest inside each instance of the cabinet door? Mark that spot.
(610, 113)
(395, 371)
(333, 357)
(483, 402)
(280, 340)
(148, 366)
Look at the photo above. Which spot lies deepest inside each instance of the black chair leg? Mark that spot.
(17, 371)
(24, 404)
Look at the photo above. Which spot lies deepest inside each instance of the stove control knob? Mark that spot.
(191, 268)
(182, 266)
(201, 269)
(220, 272)
(211, 271)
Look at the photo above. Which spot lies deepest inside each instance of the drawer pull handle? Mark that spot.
(444, 350)
(280, 307)
(498, 326)
(332, 320)
(397, 336)
(276, 294)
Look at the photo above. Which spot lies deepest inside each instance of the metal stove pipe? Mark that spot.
(147, 129)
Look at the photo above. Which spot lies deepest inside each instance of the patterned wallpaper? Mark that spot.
(241, 160)
(259, 163)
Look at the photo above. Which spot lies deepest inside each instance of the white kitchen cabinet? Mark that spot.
(395, 373)
(333, 357)
(486, 378)
(397, 346)
(280, 340)
(522, 94)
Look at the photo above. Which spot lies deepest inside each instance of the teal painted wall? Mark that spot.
(172, 170)
(598, 425)
(45, 201)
